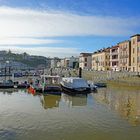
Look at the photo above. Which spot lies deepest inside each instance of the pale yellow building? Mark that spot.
(85, 60)
(135, 53)
(100, 60)
(125, 55)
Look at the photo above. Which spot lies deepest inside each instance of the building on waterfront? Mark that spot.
(114, 58)
(125, 55)
(101, 60)
(135, 53)
(62, 63)
(85, 60)
(71, 62)
(54, 62)
(67, 62)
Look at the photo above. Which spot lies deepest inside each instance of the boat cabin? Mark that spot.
(51, 80)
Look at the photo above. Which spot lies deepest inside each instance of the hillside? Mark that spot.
(24, 58)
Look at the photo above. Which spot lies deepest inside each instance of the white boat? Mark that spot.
(75, 85)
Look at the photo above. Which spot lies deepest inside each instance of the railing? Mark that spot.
(95, 76)
(98, 76)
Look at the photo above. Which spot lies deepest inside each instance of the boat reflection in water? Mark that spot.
(79, 100)
(50, 101)
(125, 102)
(53, 101)
(9, 91)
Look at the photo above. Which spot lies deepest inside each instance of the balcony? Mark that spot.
(114, 53)
(124, 56)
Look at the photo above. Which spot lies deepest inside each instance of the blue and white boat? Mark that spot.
(75, 85)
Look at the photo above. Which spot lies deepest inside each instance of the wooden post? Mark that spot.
(51, 71)
(80, 72)
(5, 72)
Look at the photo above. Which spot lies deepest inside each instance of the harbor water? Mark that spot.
(109, 114)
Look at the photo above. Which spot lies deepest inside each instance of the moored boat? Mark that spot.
(51, 84)
(52, 90)
(21, 85)
(7, 84)
(75, 85)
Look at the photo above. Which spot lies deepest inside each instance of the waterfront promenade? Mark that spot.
(127, 78)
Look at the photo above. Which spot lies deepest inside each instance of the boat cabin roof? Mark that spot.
(76, 81)
(72, 78)
(50, 76)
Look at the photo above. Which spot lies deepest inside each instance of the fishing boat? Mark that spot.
(34, 86)
(75, 85)
(52, 89)
(7, 84)
(21, 85)
(51, 84)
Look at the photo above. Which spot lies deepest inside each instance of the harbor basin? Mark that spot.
(109, 114)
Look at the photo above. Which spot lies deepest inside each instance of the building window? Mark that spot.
(133, 50)
(115, 57)
(133, 60)
(85, 59)
(138, 59)
(133, 41)
(138, 49)
(85, 64)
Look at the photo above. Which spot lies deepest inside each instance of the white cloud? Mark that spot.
(45, 51)
(26, 41)
(26, 22)
(16, 25)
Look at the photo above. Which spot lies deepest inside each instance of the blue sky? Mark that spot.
(66, 27)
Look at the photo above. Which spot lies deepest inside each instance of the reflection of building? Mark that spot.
(50, 101)
(126, 103)
(74, 100)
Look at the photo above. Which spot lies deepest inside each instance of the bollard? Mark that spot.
(80, 72)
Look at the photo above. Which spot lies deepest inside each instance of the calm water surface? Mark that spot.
(110, 114)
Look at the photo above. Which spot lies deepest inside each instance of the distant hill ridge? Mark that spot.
(24, 58)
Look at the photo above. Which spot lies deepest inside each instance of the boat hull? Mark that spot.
(100, 85)
(6, 86)
(21, 86)
(74, 91)
(56, 90)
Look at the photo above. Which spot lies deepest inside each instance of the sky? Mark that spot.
(64, 28)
